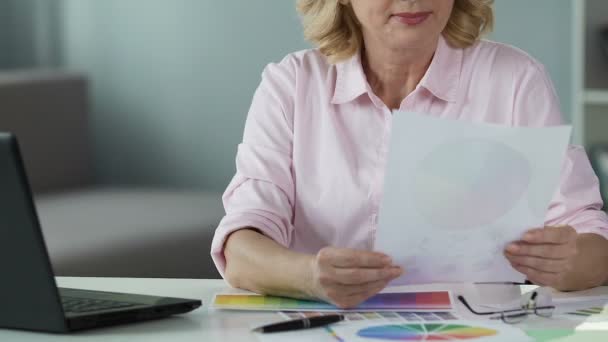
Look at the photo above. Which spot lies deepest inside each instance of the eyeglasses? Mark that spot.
(533, 302)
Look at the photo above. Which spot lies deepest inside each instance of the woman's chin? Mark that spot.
(409, 42)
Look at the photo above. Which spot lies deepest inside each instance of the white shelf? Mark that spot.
(596, 96)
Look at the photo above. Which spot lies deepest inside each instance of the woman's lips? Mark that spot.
(412, 18)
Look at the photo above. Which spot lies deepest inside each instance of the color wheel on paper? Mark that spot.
(425, 332)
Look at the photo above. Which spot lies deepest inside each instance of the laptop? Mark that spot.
(29, 297)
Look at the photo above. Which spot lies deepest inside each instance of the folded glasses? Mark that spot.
(535, 302)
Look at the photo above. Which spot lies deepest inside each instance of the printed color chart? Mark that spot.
(392, 316)
(455, 330)
(410, 301)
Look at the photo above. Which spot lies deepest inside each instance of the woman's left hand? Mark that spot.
(545, 255)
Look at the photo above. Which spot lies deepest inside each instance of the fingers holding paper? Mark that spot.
(346, 277)
(544, 255)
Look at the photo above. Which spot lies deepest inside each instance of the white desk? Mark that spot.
(204, 325)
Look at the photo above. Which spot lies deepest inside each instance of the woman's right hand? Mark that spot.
(347, 277)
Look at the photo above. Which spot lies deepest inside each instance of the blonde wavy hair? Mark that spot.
(335, 30)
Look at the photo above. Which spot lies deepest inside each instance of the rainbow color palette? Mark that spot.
(410, 301)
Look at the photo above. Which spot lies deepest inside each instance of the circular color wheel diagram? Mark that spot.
(425, 332)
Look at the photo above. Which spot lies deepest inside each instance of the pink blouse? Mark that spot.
(311, 166)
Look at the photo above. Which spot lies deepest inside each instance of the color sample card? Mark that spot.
(410, 301)
(448, 331)
(389, 316)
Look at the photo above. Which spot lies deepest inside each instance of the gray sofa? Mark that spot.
(92, 229)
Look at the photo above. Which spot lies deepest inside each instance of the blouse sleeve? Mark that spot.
(577, 201)
(261, 194)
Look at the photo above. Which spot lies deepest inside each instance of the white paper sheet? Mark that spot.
(453, 331)
(456, 193)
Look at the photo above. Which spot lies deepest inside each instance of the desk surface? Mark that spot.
(204, 325)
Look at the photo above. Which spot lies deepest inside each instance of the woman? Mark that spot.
(302, 209)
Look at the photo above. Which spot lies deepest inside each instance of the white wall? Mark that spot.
(543, 28)
(173, 80)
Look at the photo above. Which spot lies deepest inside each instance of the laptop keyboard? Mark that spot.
(80, 305)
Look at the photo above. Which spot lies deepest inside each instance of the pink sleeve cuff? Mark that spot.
(595, 222)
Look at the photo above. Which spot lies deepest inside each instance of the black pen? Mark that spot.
(303, 323)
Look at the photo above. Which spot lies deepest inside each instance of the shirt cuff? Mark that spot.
(595, 222)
